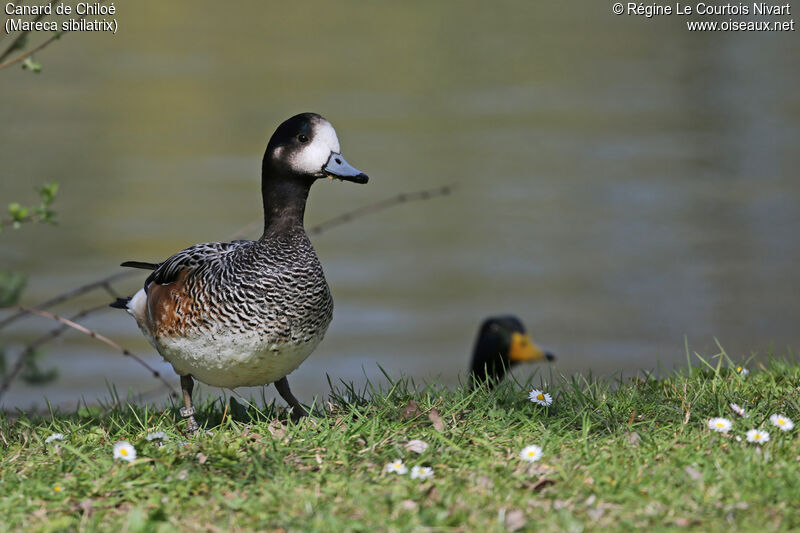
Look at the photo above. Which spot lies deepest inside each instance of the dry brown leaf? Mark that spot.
(86, 507)
(275, 428)
(339, 423)
(436, 418)
(432, 495)
(411, 410)
(409, 505)
(540, 484)
(201, 458)
(416, 446)
(595, 513)
(515, 520)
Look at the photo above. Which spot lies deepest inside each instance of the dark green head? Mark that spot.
(502, 343)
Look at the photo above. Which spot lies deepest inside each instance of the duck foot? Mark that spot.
(298, 410)
(187, 412)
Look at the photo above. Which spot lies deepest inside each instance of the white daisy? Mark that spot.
(157, 435)
(722, 425)
(742, 371)
(54, 436)
(782, 422)
(124, 451)
(739, 410)
(531, 453)
(421, 472)
(757, 435)
(540, 397)
(396, 466)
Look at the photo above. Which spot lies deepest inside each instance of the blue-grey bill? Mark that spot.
(338, 167)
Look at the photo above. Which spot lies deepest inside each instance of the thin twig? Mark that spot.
(380, 206)
(31, 348)
(24, 220)
(104, 283)
(101, 338)
(21, 36)
(359, 211)
(24, 56)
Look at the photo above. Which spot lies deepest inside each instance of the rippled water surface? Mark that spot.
(622, 184)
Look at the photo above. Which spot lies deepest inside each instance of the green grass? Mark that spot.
(617, 456)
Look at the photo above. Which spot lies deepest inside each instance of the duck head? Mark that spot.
(306, 146)
(501, 344)
(302, 150)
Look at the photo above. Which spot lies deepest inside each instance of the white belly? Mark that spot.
(233, 360)
(226, 359)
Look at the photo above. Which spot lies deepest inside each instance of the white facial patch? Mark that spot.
(312, 157)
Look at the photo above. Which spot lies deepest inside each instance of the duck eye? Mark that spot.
(302, 138)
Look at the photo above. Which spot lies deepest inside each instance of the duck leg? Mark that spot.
(187, 384)
(298, 409)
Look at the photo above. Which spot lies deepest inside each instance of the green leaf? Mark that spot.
(11, 286)
(48, 192)
(30, 64)
(17, 212)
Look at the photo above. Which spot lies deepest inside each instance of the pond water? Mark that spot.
(622, 185)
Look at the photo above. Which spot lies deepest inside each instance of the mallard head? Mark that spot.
(501, 344)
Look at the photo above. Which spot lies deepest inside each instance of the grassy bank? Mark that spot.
(615, 455)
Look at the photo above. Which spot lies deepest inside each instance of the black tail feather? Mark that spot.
(120, 303)
(140, 264)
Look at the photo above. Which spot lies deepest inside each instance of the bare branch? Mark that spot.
(24, 56)
(31, 348)
(380, 206)
(101, 338)
(13, 46)
(104, 283)
(355, 213)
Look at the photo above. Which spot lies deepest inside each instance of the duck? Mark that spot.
(249, 312)
(502, 343)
